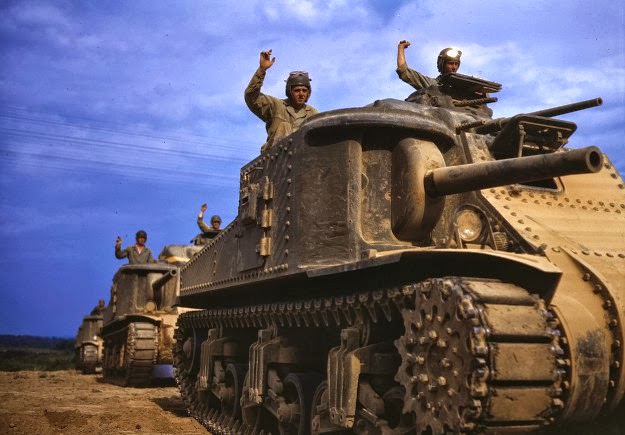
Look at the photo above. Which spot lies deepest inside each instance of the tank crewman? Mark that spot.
(137, 254)
(99, 309)
(207, 231)
(448, 61)
(281, 116)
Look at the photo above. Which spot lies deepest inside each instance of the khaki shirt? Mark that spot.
(414, 78)
(134, 257)
(280, 117)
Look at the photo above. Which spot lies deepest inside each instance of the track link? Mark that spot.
(460, 351)
(130, 354)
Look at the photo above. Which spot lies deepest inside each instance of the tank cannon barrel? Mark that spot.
(497, 124)
(482, 175)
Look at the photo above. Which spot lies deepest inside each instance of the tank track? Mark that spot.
(471, 327)
(130, 354)
(89, 358)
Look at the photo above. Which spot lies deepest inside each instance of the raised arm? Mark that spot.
(259, 103)
(401, 55)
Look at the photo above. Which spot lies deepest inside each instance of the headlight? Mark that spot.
(469, 224)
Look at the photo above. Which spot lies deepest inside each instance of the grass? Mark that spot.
(16, 359)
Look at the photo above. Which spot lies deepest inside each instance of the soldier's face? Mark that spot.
(299, 96)
(216, 224)
(141, 241)
(451, 66)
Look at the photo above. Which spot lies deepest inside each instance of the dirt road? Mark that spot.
(66, 402)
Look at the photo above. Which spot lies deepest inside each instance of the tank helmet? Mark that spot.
(446, 55)
(140, 234)
(215, 218)
(297, 78)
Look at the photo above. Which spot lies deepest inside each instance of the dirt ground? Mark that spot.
(66, 402)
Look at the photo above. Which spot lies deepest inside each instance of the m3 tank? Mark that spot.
(412, 268)
(89, 344)
(140, 318)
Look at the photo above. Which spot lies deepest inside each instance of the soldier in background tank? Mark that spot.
(431, 91)
(136, 254)
(208, 232)
(281, 116)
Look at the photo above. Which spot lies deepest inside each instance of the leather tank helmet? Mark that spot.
(446, 55)
(297, 78)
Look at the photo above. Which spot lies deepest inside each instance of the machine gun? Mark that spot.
(484, 127)
(530, 133)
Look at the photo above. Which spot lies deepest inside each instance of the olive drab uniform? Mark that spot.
(279, 116)
(415, 78)
(424, 85)
(135, 257)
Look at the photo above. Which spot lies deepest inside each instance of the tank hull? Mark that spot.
(346, 297)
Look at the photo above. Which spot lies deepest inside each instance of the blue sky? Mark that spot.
(116, 116)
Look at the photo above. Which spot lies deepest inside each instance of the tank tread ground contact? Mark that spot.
(470, 348)
(130, 354)
(89, 358)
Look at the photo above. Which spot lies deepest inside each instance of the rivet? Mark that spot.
(609, 254)
(286, 252)
(433, 334)
(585, 252)
(288, 209)
(288, 180)
(287, 223)
(528, 229)
(555, 249)
(286, 237)
(424, 378)
(586, 277)
(521, 221)
(288, 195)
(598, 254)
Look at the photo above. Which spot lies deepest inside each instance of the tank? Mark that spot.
(412, 268)
(89, 344)
(140, 318)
